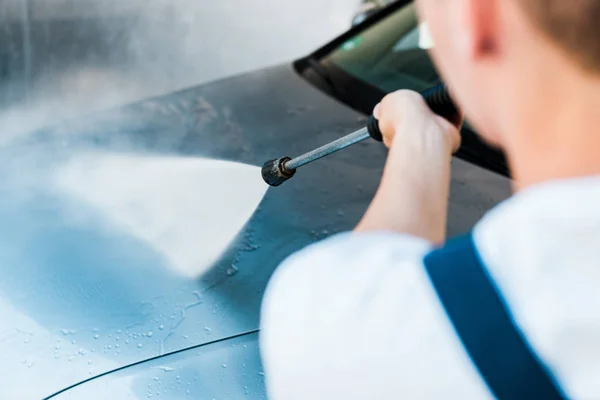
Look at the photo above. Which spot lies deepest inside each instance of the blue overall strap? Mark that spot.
(485, 326)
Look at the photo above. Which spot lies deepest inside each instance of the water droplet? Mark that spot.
(161, 327)
(73, 341)
(96, 330)
(207, 329)
(166, 369)
(26, 340)
(57, 347)
(110, 346)
(70, 358)
(117, 338)
(119, 331)
(117, 345)
(224, 366)
(187, 391)
(149, 334)
(341, 213)
(325, 232)
(261, 373)
(96, 336)
(90, 362)
(140, 345)
(30, 365)
(81, 351)
(232, 270)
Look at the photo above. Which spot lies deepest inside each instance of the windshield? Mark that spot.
(385, 54)
(391, 54)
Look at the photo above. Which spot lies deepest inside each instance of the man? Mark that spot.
(511, 311)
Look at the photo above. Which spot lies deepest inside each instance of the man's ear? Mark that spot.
(480, 30)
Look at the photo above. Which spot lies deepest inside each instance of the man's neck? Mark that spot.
(561, 137)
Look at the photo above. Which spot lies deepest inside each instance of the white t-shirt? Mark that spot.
(356, 317)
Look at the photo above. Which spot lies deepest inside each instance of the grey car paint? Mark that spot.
(219, 371)
(78, 301)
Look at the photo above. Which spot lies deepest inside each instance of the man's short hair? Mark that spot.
(572, 24)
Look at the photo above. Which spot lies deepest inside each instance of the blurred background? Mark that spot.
(61, 58)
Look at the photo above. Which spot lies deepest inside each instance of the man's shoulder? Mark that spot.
(360, 306)
(540, 250)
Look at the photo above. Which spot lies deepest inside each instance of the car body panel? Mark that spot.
(79, 299)
(223, 370)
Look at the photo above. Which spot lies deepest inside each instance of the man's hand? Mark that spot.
(404, 112)
(414, 191)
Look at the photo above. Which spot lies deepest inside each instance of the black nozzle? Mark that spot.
(275, 173)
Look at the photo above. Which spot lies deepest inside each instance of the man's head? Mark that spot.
(500, 57)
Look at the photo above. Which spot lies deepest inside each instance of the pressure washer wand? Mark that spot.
(277, 171)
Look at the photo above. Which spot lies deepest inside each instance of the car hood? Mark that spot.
(108, 222)
(220, 370)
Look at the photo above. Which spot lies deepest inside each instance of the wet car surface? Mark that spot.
(82, 296)
(220, 370)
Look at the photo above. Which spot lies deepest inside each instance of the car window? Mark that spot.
(418, 38)
(391, 54)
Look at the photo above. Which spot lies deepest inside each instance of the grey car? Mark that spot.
(111, 287)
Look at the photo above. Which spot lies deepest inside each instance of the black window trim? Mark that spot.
(362, 96)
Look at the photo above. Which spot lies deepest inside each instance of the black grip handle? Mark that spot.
(437, 98)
